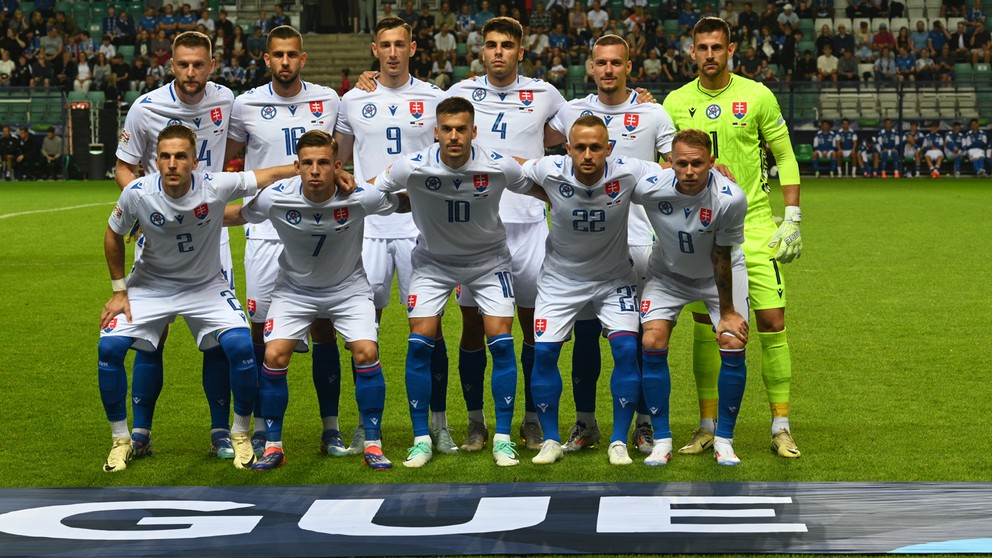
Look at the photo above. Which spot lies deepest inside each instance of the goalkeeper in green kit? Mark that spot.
(739, 114)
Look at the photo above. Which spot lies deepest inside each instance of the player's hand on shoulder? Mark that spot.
(345, 182)
(366, 81)
(644, 96)
(117, 304)
(725, 171)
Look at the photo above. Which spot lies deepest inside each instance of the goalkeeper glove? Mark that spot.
(788, 237)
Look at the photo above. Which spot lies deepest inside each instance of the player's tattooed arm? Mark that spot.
(113, 248)
(730, 321)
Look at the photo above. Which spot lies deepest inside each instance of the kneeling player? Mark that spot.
(320, 276)
(698, 216)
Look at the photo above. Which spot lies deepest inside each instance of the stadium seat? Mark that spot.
(818, 25)
(132, 96)
(459, 73)
(27, 7)
(878, 22)
(135, 9)
(805, 45)
(671, 26)
(96, 98)
(964, 73)
(857, 23)
(914, 15)
(461, 49)
(809, 28)
(127, 51)
(96, 30)
(933, 8)
(63, 6)
(952, 23)
(76, 96)
(897, 23)
(804, 153)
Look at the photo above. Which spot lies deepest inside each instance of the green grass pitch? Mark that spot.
(887, 322)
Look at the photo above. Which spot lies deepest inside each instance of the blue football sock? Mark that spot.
(259, 359)
(273, 392)
(586, 364)
(370, 391)
(504, 382)
(217, 386)
(957, 164)
(527, 364)
(439, 376)
(833, 165)
(547, 387)
(112, 376)
(327, 377)
(472, 372)
(625, 382)
(146, 385)
(816, 164)
(418, 381)
(657, 389)
(733, 377)
(237, 346)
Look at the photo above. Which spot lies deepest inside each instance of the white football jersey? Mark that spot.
(589, 223)
(511, 120)
(639, 130)
(182, 236)
(689, 226)
(322, 242)
(388, 123)
(457, 210)
(270, 125)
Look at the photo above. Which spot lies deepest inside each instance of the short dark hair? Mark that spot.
(694, 138)
(607, 40)
(316, 138)
(391, 22)
(193, 39)
(455, 105)
(504, 25)
(177, 131)
(588, 121)
(283, 32)
(711, 24)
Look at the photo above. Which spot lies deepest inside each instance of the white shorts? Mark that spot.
(348, 304)
(948, 154)
(639, 256)
(559, 300)
(909, 152)
(381, 258)
(261, 270)
(433, 281)
(208, 308)
(226, 263)
(664, 297)
(846, 152)
(976, 154)
(934, 154)
(829, 154)
(526, 242)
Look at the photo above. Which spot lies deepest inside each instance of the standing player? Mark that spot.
(319, 275)
(636, 130)
(267, 121)
(455, 189)
(933, 149)
(204, 106)
(825, 147)
(177, 274)
(976, 142)
(375, 128)
(847, 155)
(890, 149)
(699, 218)
(587, 264)
(735, 111)
(954, 147)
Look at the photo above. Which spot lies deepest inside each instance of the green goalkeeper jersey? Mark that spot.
(735, 117)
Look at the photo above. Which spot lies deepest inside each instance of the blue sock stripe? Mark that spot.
(429, 341)
(274, 371)
(498, 339)
(655, 352)
(367, 368)
(619, 333)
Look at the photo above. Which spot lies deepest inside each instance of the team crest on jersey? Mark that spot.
(341, 215)
(566, 190)
(411, 302)
(527, 97)
(480, 181)
(665, 208)
(369, 110)
(268, 112)
(317, 108)
(713, 111)
(630, 121)
(645, 307)
(157, 219)
(111, 325)
(293, 217)
(586, 112)
(173, 122)
(416, 109)
(217, 116)
(739, 108)
(613, 188)
(201, 211)
(478, 94)
(433, 183)
(540, 326)
(268, 327)
(705, 216)
(252, 305)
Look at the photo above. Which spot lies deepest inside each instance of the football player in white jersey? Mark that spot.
(320, 274)
(637, 130)
(204, 106)
(267, 121)
(587, 264)
(177, 274)
(698, 215)
(376, 126)
(455, 190)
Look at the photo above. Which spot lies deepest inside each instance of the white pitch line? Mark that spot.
(18, 214)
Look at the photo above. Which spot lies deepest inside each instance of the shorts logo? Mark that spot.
(268, 327)
(665, 208)
(157, 219)
(411, 302)
(645, 307)
(110, 326)
(433, 183)
(317, 108)
(293, 217)
(705, 216)
(173, 122)
(630, 121)
(201, 211)
(540, 326)
(613, 188)
(341, 215)
(251, 306)
(586, 112)
(713, 111)
(369, 110)
(566, 190)
(478, 95)
(480, 181)
(416, 109)
(217, 116)
(526, 97)
(268, 112)
(739, 109)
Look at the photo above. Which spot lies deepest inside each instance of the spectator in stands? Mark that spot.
(920, 37)
(65, 77)
(652, 68)
(22, 73)
(688, 16)
(862, 8)
(578, 24)
(670, 65)
(883, 38)
(107, 48)
(826, 65)
(636, 43)
(101, 72)
(925, 66)
(905, 65)
(255, 45)
(441, 71)
(559, 39)
(139, 71)
(6, 68)
(474, 42)
(885, 66)
(186, 18)
(88, 44)
(483, 15)
(161, 48)
(10, 147)
(421, 66)
(938, 37)
(446, 15)
(127, 31)
(51, 46)
(823, 8)
(239, 44)
(952, 8)
(65, 25)
(168, 21)
(254, 76)
(234, 75)
(597, 18)
(265, 24)
(466, 23)
(149, 21)
(558, 72)
(749, 64)
(826, 38)
(225, 24)
(42, 73)
(475, 67)
(13, 43)
(864, 53)
(28, 159)
(959, 43)
(769, 17)
(113, 93)
(728, 14)
(787, 16)
(768, 46)
(444, 41)
(847, 68)
(748, 17)
(120, 69)
(944, 63)
(424, 26)
(903, 39)
(863, 33)
(975, 14)
(536, 44)
(52, 153)
(980, 44)
(37, 25)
